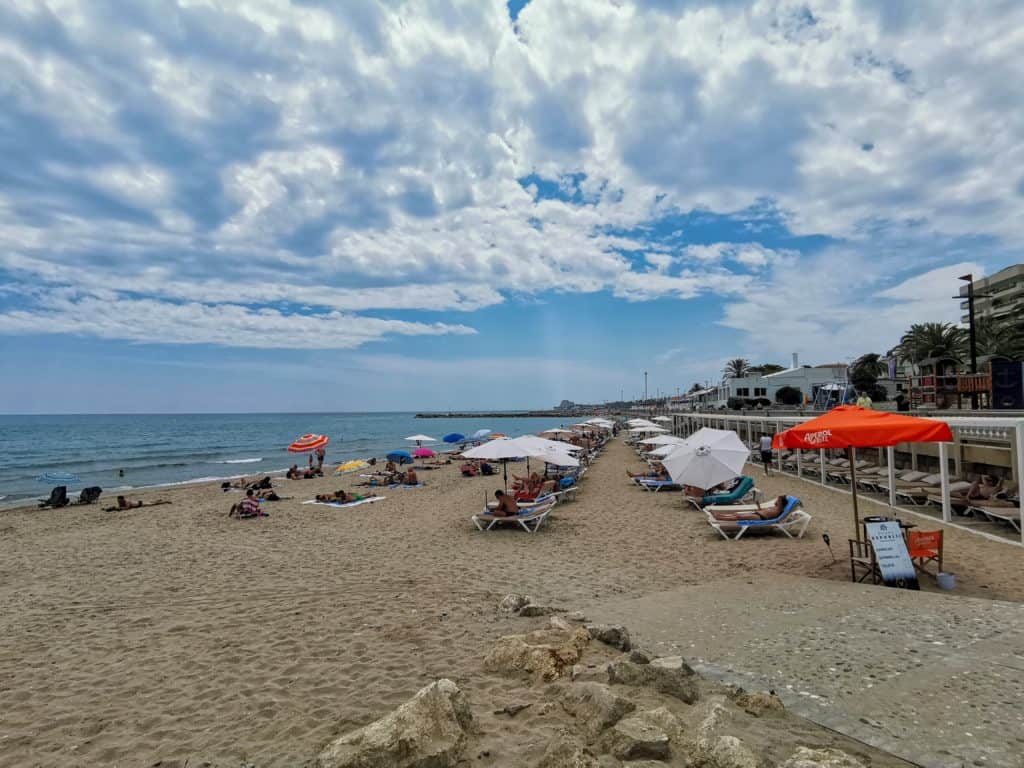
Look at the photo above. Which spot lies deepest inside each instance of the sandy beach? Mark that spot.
(174, 635)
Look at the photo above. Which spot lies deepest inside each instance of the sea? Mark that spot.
(124, 452)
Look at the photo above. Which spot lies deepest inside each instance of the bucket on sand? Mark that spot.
(946, 580)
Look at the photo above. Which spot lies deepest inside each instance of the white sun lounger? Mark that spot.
(792, 517)
(529, 520)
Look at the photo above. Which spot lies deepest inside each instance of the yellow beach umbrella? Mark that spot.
(351, 466)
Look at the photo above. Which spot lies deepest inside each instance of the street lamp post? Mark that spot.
(645, 387)
(969, 279)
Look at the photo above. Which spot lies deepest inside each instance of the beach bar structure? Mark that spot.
(981, 445)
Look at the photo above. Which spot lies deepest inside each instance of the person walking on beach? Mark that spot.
(766, 454)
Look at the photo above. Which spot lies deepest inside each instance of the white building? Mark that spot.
(805, 378)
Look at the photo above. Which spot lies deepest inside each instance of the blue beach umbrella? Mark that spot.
(57, 478)
(454, 437)
(400, 457)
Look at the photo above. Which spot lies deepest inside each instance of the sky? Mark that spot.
(267, 205)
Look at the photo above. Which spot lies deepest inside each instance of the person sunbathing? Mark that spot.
(469, 469)
(293, 472)
(123, 502)
(768, 512)
(390, 468)
(342, 497)
(657, 472)
(984, 489)
(507, 506)
(411, 478)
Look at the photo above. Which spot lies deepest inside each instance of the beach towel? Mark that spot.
(397, 485)
(342, 506)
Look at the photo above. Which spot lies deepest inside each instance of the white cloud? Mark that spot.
(107, 316)
(361, 156)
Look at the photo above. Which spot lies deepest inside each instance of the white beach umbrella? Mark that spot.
(558, 431)
(421, 439)
(663, 440)
(638, 422)
(707, 459)
(502, 449)
(533, 442)
(664, 450)
(663, 418)
(647, 430)
(480, 434)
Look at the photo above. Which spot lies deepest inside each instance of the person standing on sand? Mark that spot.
(865, 401)
(320, 455)
(766, 454)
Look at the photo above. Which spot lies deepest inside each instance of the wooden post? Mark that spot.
(852, 455)
(891, 460)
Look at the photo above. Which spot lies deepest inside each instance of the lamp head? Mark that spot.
(967, 278)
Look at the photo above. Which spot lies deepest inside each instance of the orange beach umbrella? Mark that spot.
(308, 443)
(850, 426)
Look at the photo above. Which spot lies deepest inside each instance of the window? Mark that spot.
(743, 391)
(760, 391)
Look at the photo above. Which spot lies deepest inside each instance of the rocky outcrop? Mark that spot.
(679, 682)
(596, 707)
(564, 751)
(635, 738)
(614, 635)
(724, 752)
(545, 654)
(513, 603)
(759, 703)
(804, 757)
(428, 731)
(639, 657)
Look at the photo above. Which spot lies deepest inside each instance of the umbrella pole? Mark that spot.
(853, 487)
(504, 471)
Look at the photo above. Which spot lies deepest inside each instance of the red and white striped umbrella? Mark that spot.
(308, 443)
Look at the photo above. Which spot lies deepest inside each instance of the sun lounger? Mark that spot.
(792, 516)
(736, 495)
(339, 505)
(58, 498)
(530, 520)
(906, 479)
(1004, 513)
(650, 484)
(955, 499)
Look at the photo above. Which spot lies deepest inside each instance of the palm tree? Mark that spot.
(924, 340)
(696, 387)
(736, 368)
(995, 337)
(871, 363)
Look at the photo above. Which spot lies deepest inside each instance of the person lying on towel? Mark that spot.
(341, 497)
(764, 513)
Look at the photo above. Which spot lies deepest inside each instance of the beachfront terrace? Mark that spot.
(981, 445)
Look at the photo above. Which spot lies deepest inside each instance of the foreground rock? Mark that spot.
(614, 635)
(712, 748)
(596, 707)
(677, 682)
(545, 654)
(428, 731)
(759, 703)
(804, 757)
(565, 752)
(513, 603)
(636, 738)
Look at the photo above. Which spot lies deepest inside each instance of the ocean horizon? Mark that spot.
(170, 449)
